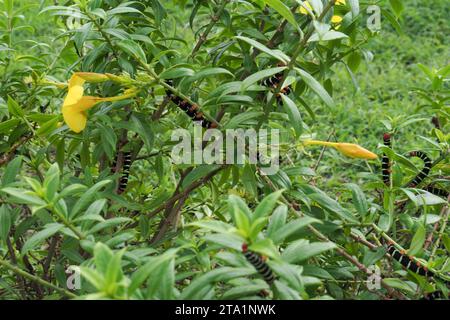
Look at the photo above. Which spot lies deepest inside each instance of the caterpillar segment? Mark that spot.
(127, 161)
(259, 264)
(436, 191)
(426, 168)
(385, 163)
(192, 110)
(273, 83)
(408, 262)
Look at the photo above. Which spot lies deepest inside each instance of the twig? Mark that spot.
(445, 212)
(35, 279)
(208, 29)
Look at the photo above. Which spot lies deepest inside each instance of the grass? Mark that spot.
(385, 83)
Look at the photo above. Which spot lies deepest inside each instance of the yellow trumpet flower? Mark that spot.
(348, 149)
(76, 104)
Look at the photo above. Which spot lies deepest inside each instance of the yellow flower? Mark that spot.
(348, 149)
(336, 19)
(76, 104)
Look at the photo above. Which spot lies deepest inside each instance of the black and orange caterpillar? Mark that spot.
(408, 262)
(273, 83)
(437, 295)
(426, 168)
(191, 110)
(385, 164)
(259, 264)
(123, 181)
(436, 191)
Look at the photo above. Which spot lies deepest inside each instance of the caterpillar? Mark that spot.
(437, 295)
(436, 191)
(123, 181)
(426, 169)
(273, 83)
(259, 264)
(385, 164)
(408, 262)
(191, 110)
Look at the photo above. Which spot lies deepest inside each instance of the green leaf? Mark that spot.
(198, 173)
(265, 247)
(132, 48)
(399, 284)
(267, 205)
(291, 228)
(5, 222)
(276, 54)
(294, 114)
(417, 241)
(6, 126)
(12, 170)
(87, 197)
(329, 204)
(194, 290)
(140, 275)
(143, 129)
(283, 10)
(51, 181)
(174, 73)
(95, 208)
(24, 196)
(14, 108)
(242, 118)
(277, 221)
(316, 87)
(102, 257)
(213, 225)
(209, 72)
(239, 213)
(37, 238)
(354, 6)
(122, 9)
(397, 7)
(359, 199)
(302, 250)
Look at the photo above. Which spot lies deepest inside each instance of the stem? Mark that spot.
(291, 64)
(208, 29)
(444, 213)
(36, 279)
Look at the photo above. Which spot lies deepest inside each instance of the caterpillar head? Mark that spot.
(244, 247)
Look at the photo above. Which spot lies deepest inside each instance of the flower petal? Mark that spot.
(76, 120)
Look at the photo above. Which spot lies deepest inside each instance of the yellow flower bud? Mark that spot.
(348, 149)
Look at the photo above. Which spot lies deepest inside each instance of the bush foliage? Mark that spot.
(88, 186)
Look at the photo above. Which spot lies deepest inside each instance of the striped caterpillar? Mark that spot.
(426, 169)
(408, 262)
(123, 181)
(273, 83)
(436, 191)
(190, 109)
(259, 264)
(385, 164)
(437, 295)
